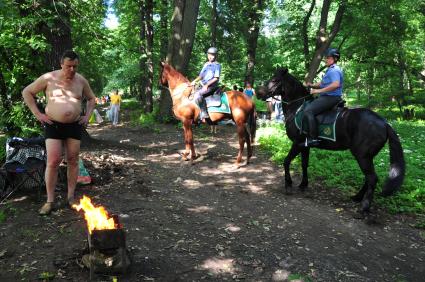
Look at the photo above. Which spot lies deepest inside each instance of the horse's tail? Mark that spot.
(397, 164)
(252, 123)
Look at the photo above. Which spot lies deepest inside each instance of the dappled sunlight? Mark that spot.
(219, 265)
(200, 209)
(232, 228)
(255, 190)
(281, 275)
(191, 184)
(121, 158)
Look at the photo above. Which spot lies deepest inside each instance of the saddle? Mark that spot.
(214, 99)
(325, 121)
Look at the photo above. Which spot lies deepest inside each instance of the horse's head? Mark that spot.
(169, 77)
(163, 74)
(273, 86)
(282, 84)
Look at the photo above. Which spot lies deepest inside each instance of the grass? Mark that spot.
(323, 164)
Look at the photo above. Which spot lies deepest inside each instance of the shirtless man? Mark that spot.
(63, 122)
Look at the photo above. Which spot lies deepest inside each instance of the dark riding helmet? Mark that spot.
(332, 52)
(212, 50)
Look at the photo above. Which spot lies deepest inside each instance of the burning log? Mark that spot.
(106, 239)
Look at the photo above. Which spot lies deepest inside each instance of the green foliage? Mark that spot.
(411, 197)
(2, 148)
(260, 105)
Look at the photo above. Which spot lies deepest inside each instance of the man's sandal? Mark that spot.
(46, 208)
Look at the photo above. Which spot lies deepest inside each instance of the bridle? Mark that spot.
(288, 103)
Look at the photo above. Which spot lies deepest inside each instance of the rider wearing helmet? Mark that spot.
(330, 94)
(209, 77)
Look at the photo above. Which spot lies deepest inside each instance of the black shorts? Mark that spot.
(63, 131)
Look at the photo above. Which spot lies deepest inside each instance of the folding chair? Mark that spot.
(25, 165)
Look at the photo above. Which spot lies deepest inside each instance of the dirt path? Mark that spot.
(210, 221)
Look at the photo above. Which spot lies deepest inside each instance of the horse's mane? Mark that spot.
(175, 74)
(292, 85)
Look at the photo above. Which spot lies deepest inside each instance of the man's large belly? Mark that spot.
(63, 110)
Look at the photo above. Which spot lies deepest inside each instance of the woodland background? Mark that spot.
(382, 47)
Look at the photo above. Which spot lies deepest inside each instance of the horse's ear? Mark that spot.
(162, 64)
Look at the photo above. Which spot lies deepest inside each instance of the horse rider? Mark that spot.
(209, 77)
(330, 90)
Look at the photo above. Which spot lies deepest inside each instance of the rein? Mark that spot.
(296, 100)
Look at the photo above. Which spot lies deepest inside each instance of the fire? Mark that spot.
(97, 217)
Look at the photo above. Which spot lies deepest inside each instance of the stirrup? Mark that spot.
(311, 142)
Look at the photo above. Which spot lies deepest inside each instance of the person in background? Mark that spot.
(62, 120)
(115, 107)
(249, 91)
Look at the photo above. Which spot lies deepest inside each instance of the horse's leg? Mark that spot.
(241, 137)
(187, 148)
(188, 140)
(293, 152)
(366, 165)
(248, 145)
(188, 124)
(305, 156)
(359, 196)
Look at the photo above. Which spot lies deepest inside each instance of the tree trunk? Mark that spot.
(183, 23)
(180, 45)
(254, 20)
(163, 23)
(323, 39)
(57, 33)
(146, 62)
(149, 60)
(214, 18)
(304, 34)
(164, 98)
(5, 105)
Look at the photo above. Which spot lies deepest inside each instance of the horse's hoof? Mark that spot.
(356, 198)
(359, 215)
(288, 189)
(303, 187)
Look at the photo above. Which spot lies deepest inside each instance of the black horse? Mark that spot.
(359, 130)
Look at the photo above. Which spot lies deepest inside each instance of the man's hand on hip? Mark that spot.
(43, 118)
(84, 120)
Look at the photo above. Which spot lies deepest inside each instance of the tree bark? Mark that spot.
(146, 62)
(183, 23)
(323, 39)
(5, 105)
(163, 23)
(214, 18)
(304, 34)
(180, 44)
(254, 20)
(57, 33)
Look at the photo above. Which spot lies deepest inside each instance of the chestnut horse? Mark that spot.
(242, 112)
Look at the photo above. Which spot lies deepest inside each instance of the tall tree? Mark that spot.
(214, 18)
(57, 31)
(255, 12)
(183, 24)
(180, 44)
(323, 37)
(146, 53)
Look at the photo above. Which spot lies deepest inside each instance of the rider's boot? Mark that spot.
(312, 139)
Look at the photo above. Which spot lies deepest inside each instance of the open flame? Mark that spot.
(97, 217)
